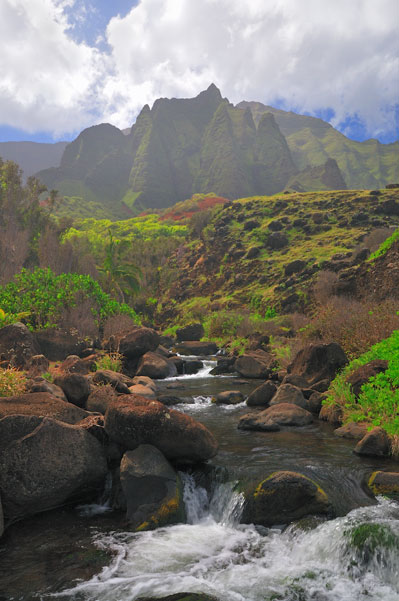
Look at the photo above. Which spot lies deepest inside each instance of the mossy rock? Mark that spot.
(284, 497)
(384, 483)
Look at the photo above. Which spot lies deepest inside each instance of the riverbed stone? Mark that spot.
(43, 385)
(57, 344)
(156, 367)
(255, 364)
(362, 374)
(132, 420)
(142, 390)
(262, 395)
(283, 497)
(50, 463)
(353, 430)
(288, 393)
(138, 342)
(117, 380)
(152, 488)
(41, 404)
(318, 362)
(144, 381)
(193, 347)
(100, 397)
(375, 443)
(270, 420)
(193, 331)
(384, 483)
(76, 387)
(17, 345)
(229, 397)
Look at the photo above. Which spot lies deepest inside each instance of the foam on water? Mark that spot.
(204, 372)
(213, 554)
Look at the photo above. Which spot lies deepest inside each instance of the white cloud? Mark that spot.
(47, 81)
(311, 54)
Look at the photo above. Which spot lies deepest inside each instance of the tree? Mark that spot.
(120, 278)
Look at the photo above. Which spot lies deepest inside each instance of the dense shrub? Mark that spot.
(378, 401)
(355, 325)
(45, 297)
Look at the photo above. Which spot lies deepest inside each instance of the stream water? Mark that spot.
(86, 554)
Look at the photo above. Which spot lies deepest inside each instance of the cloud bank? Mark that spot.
(307, 56)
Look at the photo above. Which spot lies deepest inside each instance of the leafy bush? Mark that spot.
(12, 382)
(111, 361)
(44, 296)
(378, 401)
(7, 319)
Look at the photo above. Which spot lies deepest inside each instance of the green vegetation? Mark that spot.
(368, 537)
(12, 382)
(385, 246)
(7, 319)
(378, 401)
(111, 361)
(44, 296)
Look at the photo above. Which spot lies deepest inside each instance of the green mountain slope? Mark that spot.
(180, 147)
(312, 141)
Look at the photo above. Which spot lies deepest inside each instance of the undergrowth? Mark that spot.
(12, 382)
(378, 401)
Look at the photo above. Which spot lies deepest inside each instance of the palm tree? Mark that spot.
(119, 279)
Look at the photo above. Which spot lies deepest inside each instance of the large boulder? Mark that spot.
(44, 463)
(262, 395)
(255, 364)
(141, 390)
(375, 443)
(288, 393)
(318, 362)
(352, 431)
(131, 421)
(17, 345)
(56, 344)
(362, 374)
(154, 366)
(270, 420)
(75, 387)
(194, 331)
(117, 380)
(41, 404)
(283, 497)
(138, 342)
(152, 489)
(192, 347)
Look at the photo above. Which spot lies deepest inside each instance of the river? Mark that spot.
(85, 554)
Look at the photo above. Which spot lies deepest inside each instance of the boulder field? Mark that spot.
(59, 440)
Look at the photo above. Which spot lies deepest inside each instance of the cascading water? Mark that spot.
(213, 554)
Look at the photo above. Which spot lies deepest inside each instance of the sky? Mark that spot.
(69, 64)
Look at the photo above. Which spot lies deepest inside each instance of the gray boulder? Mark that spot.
(18, 345)
(269, 420)
(76, 388)
(261, 396)
(152, 489)
(154, 366)
(138, 342)
(229, 397)
(44, 463)
(287, 393)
